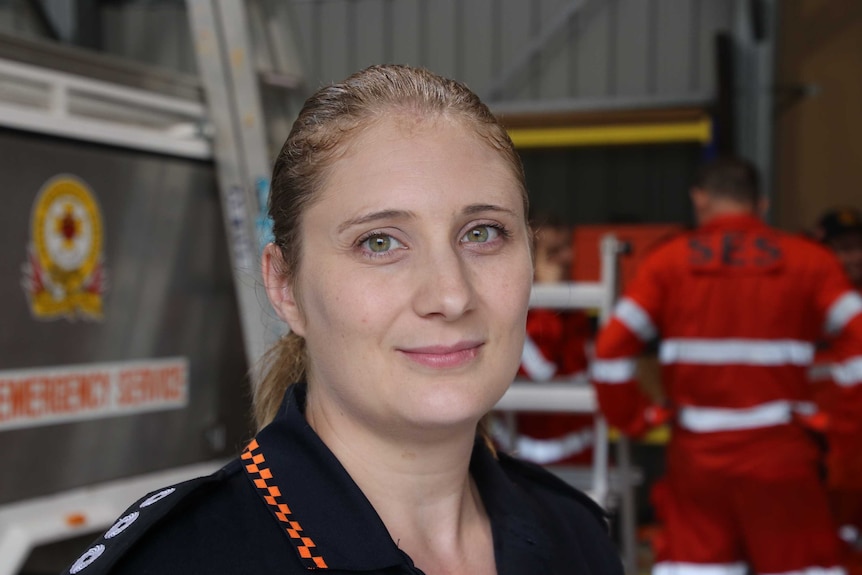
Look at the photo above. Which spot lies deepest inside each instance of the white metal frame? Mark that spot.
(574, 396)
(24, 525)
(45, 101)
(577, 396)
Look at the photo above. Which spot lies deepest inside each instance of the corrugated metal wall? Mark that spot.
(506, 50)
(517, 54)
(579, 49)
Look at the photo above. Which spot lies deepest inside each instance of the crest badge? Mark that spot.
(65, 274)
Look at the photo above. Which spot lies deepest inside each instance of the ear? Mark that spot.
(280, 289)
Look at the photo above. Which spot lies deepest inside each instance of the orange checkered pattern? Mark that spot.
(261, 475)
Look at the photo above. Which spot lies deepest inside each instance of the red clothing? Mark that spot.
(738, 307)
(562, 338)
(556, 347)
(716, 520)
(844, 457)
(844, 461)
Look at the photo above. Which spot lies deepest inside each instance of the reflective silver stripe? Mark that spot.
(544, 451)
(842, 310)
(848, 373)
(805, 407)
(634, 317)
(736, 351)
(706, 419)
(678, 568)
(817, 570)
(613, 370)
(534, 363)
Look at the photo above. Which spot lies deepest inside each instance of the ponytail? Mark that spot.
(281, 366)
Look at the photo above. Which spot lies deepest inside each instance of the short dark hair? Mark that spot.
(839, 222)
(730, 177)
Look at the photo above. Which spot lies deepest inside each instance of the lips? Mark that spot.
(444, 356)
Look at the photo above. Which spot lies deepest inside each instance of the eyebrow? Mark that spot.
(373, 217)
(479, 208)
(472, 209)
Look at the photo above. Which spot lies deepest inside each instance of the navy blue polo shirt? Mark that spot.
(287, 505)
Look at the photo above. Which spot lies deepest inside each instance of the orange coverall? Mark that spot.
(556, 347)
(738, 307)
(843, 460)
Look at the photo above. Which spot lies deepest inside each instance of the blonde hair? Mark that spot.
(326, 125)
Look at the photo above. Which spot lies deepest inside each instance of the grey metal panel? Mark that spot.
(553, 79)
(593, 53)
(303, 25)
(440, 37)
(632, 62)
(170, 293)
(516, 21)
(695, 33)
(714, 17)
(598, 55)
(406, 32)
(154, 33)
(672, 42)
(477, 43)
(370, 34)
(17, 18)
(333, 41)
(99, 66)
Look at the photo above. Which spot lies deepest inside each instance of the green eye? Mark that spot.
(478, 235)
(481, 234)
(379, 244)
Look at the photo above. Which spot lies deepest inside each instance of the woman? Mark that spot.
(402, 265)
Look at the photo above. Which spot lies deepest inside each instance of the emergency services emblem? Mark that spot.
(65, 274)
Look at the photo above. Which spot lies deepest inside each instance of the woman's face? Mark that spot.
(414, 279)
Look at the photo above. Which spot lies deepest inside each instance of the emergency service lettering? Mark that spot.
(734, 250)
(147, 385)
(36, 397)
(39, 396)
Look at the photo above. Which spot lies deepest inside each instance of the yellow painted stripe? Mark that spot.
(697, 131)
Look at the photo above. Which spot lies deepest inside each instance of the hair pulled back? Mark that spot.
(330, 119)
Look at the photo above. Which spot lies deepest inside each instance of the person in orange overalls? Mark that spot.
(557, 346)
(737, 307)
(841, 231)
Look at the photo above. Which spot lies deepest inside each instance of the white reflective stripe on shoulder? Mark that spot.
(534, 362)
(736, 351)
(634, 317)
(817, 570)
(842, 310)
(848, 373)
(614, 370)
(707, 419)
(679, 568)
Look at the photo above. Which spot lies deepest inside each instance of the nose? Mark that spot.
(444, 286)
